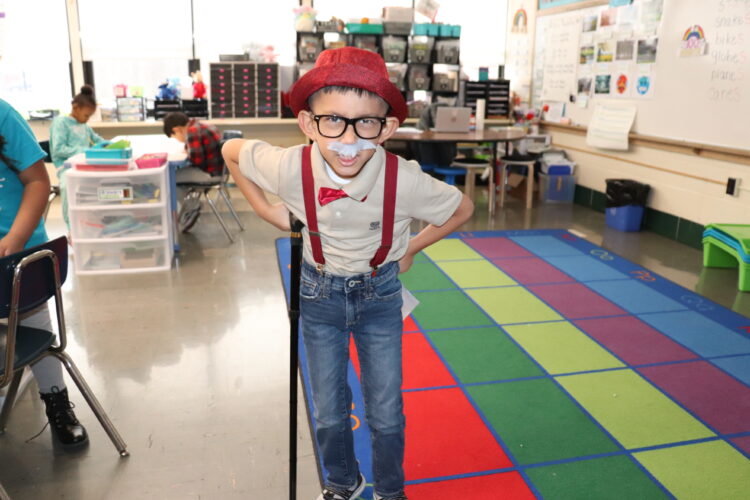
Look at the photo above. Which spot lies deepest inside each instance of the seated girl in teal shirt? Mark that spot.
(70, 135)
(24, 188)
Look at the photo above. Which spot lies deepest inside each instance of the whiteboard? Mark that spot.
(703, 98)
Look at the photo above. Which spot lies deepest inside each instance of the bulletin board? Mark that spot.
(685, 66)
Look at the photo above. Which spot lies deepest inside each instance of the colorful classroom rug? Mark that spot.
(540, 365)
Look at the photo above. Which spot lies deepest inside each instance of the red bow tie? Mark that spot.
(327, 195)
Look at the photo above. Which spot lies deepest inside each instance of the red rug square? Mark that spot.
(575, 300)
(410, 325)
(445, 436)
(506, 486)
(421, 365)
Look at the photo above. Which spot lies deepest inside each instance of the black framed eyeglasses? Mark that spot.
(333, 126)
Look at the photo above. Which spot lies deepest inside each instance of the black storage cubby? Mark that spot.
(496, 94)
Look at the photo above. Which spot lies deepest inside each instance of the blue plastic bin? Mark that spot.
(557, 188)
(626, 218)
(98, 152)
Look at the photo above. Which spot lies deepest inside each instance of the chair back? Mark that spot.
(231, 134)
(38, 283)
(45, 145)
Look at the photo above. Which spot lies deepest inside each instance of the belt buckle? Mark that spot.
(320, 268)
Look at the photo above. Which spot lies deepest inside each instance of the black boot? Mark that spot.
(65, 426)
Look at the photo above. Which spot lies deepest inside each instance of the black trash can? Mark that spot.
(626, 202)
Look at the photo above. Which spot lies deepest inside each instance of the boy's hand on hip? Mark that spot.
(405, 263)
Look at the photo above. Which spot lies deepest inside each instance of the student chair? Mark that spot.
(474, 167)
(527, 163)
(29, 279)
(191, 205)
(54, 189)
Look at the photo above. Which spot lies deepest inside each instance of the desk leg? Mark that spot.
(173, 205)
(469, 182)
(530, 186)
(492, 179)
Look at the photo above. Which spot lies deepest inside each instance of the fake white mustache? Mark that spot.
(350, 150)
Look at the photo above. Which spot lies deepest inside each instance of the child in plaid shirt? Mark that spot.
(202, 142)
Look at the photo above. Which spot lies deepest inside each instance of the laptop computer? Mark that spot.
(452, 119)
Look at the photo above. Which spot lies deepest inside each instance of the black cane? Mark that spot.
(295, 263)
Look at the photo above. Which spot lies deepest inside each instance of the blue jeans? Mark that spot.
(369, 307)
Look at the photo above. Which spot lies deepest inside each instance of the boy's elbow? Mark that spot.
(465, 209)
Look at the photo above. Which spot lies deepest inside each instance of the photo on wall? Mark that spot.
(622, 84)
(625, 50)
(605, 51)
(589, 23)
(587, 54)
(602, 84)
(647, 51)
(644, 86)
(608, 17)
(584, 85)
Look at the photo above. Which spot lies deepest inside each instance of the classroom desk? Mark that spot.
(493, 136)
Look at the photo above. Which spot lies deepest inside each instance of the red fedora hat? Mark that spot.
(348, 67)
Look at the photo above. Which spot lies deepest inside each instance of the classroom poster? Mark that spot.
(561, 58)
(518, 49)
(693, 42)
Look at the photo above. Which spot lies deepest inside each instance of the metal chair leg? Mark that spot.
(10, 398)
(218, 216)
(231, 208)
(88, 395)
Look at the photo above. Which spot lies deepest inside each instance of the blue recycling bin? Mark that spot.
(625, 205)
(625, 218)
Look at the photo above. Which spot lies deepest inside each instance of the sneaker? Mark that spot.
(331, 493)
(399, 496)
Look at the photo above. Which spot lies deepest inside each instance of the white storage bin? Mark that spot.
(130, 256)
(115, 188)
(118, 223)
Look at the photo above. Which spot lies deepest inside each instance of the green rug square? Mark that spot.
(451, 249)
(512, 304)
(425, 276)
(448, 309)
(538, 422)
(483, 355)
(560, 347)
(702, 471)
(475, 273)
(607, 478)
(632, 410)
(421, 257)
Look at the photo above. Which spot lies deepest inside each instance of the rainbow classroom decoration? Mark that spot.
(539, 365)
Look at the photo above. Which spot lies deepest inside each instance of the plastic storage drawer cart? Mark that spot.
(120, 221)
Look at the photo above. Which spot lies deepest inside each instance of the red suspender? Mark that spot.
(389, 209)
(308, 192)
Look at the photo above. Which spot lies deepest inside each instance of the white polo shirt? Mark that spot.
(350, 228)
